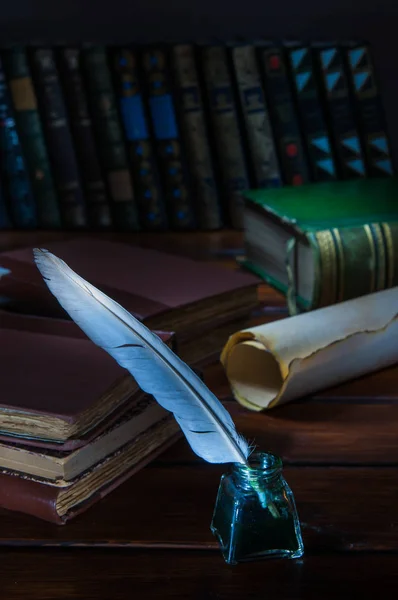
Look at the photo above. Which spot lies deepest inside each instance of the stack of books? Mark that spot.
(73, 424)
(166, 136)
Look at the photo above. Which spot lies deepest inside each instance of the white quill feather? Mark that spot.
(206, 424)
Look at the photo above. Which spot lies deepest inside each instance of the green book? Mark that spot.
(324, 243)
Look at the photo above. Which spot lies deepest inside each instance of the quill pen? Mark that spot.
(206, 424)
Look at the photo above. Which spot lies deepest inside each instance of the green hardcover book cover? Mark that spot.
(326, 242)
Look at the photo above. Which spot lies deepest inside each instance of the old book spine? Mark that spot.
(226, 132)
(14, 174)
(98, 208)
(109, 137)
(369, 110)
(352, 262)
(284, 118)
(194, 131)
(59, 139)
(349, 151)
(257, 126)
(172, 160)
(313, 121)
(148, 190)
(31, 136)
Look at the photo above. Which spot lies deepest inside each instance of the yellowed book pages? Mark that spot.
(295, 357)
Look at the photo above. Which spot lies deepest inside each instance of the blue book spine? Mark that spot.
(179, 201)
(339, 108)
(369, 110)
(311, 113)
(133, 111)
(14, 175)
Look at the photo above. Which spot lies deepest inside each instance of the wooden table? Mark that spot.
(151, 539)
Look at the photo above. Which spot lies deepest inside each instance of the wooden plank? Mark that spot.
(341, 510)
(355, 423)
(314, 433)
(100, 575)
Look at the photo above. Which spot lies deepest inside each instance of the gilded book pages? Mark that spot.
(295, 357)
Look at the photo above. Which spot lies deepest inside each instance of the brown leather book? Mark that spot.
(58, 504)
(57, 387)
(166, 292)
(61, 466)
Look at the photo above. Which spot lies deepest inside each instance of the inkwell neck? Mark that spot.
(263, 467)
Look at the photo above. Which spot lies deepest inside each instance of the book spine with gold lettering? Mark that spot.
(172, 162)
(354, 261)
(195, 133)
(31, 136)
(14, 174)
(59, 138)
(226, 133)
(133, 111)
(256, 118)
(109, 137)
(349, 262)
(369, 109)
(98, 203)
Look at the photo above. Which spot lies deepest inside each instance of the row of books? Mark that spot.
(166, 137)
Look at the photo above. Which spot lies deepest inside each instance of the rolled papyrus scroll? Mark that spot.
(297, 356)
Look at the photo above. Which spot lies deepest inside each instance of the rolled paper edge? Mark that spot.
(299, 364)
(245, 337)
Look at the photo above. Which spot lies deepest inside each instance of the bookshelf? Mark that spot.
(126, 21)
(149, 20)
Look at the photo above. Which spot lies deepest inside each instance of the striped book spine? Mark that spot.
(312, 117)
(14, 174)
(109, 137)
(339, 107)
(195, 134)
(257, 126)
(178, 197)
(226, 132)
(369, 110)
(284, 118)
(31, 136)
(149, 193)
(98, 208)
(59, 139)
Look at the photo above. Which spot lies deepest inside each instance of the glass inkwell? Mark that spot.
(255, 514)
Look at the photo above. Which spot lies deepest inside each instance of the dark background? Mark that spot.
(124, 21)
